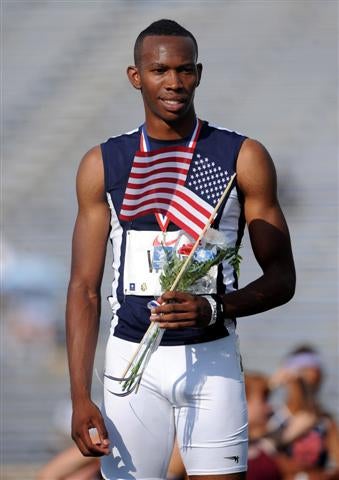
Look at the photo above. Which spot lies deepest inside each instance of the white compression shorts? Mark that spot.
(194, 393)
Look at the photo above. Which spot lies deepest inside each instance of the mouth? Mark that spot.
(173, 104)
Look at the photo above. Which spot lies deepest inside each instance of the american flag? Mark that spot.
(208, 179)
(159, 183)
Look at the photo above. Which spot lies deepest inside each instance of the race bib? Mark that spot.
(145, 258)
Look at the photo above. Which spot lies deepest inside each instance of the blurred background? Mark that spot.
(270, 71)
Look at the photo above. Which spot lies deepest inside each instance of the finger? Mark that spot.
(171, 307)
(93, 433)
(176, 317)
(160, 300)
(176, 296)
(177, 308)
(102, 432)
(81, 446)
(94, 450)
(176, 325)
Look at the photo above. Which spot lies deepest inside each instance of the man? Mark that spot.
(193, 387)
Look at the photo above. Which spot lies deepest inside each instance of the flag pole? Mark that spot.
(188, 259)
(202, 233)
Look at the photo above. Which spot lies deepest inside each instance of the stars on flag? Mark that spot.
(207, 179)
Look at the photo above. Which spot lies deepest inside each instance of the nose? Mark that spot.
(173, 80)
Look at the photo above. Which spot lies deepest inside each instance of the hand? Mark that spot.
(282, 377)
(86, 415)
(181, 310)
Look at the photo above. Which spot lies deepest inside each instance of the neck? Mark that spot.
(162, 130)
(299, 397)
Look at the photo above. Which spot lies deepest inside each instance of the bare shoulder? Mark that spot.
(91, 165)
(255, 169)
(90, 177)
(257, 179)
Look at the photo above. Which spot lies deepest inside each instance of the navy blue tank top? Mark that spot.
(219, 147)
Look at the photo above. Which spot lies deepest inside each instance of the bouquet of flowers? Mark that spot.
(182, 271)
(211, 251)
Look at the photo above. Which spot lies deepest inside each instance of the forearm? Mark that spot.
(275, 287)
(82, 327)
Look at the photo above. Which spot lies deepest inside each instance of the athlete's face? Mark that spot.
(167, 75)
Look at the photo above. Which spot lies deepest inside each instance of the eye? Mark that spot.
(188, 69)
(158, 70)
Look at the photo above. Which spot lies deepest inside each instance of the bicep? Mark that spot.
(267, 226)
(92, 224)
(89, 245)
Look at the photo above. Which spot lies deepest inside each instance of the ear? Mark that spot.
(199, 68)
(134, 77)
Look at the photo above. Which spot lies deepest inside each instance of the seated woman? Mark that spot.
(307, 435)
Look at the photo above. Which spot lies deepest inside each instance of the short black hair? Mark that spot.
(162, 27)
(304, 348)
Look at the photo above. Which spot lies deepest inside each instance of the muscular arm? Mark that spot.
(270, 243)
(83, 300)
(268, 234)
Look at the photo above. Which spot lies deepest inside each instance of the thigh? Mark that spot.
(212, 418)
(140, 426)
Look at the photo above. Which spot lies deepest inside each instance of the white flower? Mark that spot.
(214, 237)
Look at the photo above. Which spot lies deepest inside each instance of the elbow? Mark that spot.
(281, 284)
(84, 288)
(288, 286)
(289, 294)
(83, 293)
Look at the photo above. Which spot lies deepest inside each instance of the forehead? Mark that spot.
(167, 49)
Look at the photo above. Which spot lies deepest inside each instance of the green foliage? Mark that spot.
(194, 270)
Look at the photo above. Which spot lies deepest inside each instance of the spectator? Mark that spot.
(307, 434)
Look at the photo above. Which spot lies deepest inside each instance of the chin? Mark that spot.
(173, 116)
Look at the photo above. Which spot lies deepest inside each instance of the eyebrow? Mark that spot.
(158, 65)
(164, 65)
